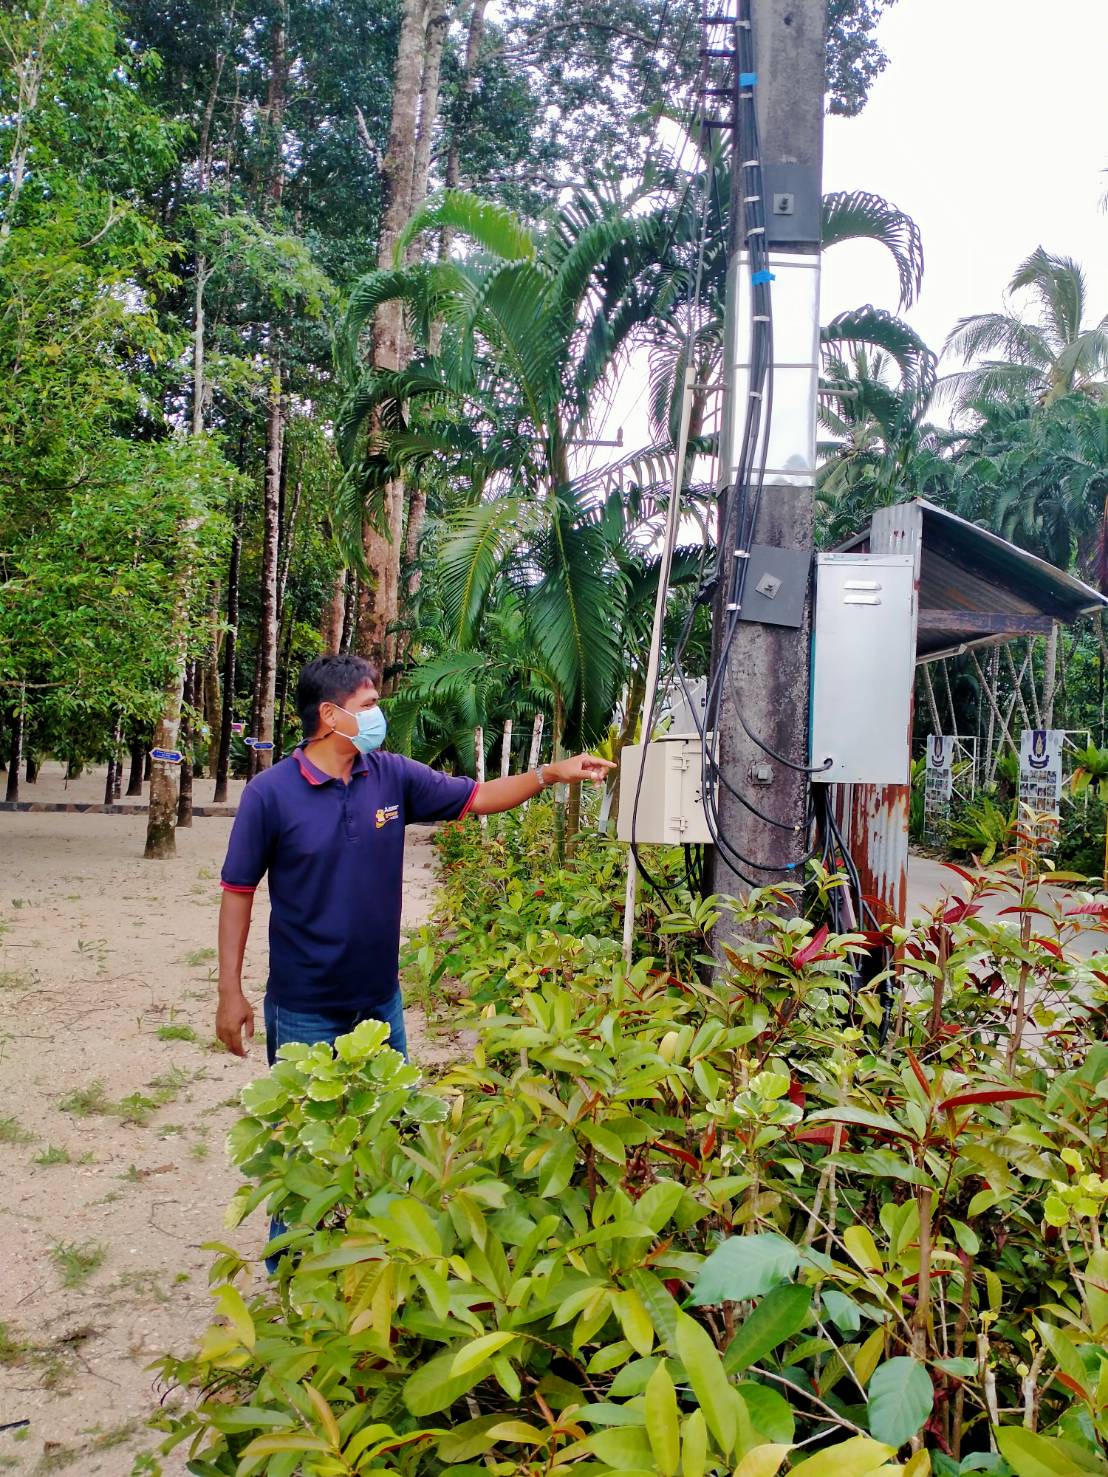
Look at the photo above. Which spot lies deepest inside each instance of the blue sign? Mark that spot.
(260, 744)
(167, 756)
(250, 742)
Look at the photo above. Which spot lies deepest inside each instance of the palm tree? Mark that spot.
(880, 450)
(1040, 357)
(526, 334)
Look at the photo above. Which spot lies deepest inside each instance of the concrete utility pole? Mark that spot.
(769, 665)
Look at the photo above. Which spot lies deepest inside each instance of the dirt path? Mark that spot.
(113, 1110)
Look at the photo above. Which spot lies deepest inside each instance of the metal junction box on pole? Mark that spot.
(670, 808)
(863, 668)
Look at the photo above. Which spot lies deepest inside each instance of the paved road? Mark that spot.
(929, 880)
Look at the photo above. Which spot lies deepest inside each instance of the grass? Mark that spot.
(200, 956)
(144, 1283)
(10, 1347)
(83, 1102)
(135, 1108)
(13, 1132)
(199, 1150)
(77, 1262)
(58, 1457)
(53, 1155)
(176, 1031)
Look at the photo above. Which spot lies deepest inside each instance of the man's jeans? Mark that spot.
(283, 1025)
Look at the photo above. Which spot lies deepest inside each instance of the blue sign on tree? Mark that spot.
(166, 756)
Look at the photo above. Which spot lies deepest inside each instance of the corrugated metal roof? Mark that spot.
(977, 589)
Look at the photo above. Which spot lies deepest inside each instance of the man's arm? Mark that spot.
(234, 1011)
(505, 794)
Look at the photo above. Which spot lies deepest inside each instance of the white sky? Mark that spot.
(990, 128)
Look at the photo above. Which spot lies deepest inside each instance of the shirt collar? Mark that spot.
(316, 776)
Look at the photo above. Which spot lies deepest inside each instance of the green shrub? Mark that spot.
(656, 1227)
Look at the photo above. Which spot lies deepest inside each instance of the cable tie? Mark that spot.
(742, 553)
(755, 394)
(751, 164)
(762, 318)
(751, 199)
(747, 79)
(734, 607)
(762, 276)
(756, 231)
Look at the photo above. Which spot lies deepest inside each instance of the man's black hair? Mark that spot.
(330, 679)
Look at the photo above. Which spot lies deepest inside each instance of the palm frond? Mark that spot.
(1003, 333)
(873, 327)
(493, 227)
(857, 215)
(470, 561)
(1058, 282)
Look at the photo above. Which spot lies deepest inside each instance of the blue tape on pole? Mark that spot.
(763, 276)
(747, 79)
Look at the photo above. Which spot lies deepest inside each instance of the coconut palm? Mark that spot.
(878, 448)
(1039, 355)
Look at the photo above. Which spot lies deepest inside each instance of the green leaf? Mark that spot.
(434, 1386)
(745, 1267)
(770, 1412)
(779, 1315)
(662, 1428)
(900, 1400)
(714, 1392)
(858, 1457)
(475, 1354)
(843, 1311)
(763, 1461)
(621, 1447)
(1031, 1455)
(229, 1302)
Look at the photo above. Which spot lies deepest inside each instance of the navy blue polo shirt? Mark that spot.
(334, 853)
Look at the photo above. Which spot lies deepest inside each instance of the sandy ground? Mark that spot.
(107, 992)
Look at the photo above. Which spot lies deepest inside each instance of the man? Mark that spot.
(327, 824)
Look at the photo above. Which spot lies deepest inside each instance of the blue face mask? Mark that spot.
(371, 729)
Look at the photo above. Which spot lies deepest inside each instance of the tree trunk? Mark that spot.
(436, 24)
(230, 645)
(115, 763)
(286, 659)
(413, 537)
(350, 613)
(138, 756)
(184, 788)
(268, 629)
(203, 271)
(275, 103)
(15, 752)
(463, 116)
(334, 612)
(379, 595)
(212, 706)
(1050, 676)
(161, 818)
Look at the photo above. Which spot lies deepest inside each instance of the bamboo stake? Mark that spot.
(479, 750)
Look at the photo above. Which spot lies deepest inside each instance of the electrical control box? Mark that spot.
(670, 800)
(863, 668)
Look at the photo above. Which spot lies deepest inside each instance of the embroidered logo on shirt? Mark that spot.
(387, 813)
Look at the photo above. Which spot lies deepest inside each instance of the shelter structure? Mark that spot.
(972, 589)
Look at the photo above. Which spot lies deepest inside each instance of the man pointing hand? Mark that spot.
(327, 825)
